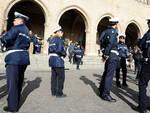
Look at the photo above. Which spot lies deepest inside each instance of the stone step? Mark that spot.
(39, 60)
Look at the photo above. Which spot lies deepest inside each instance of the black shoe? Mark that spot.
(61, 96)
(148, 108)
(53, 95)
(8, 110)
(108, 98)
(136, 108)
(143, 111)
(125, 85)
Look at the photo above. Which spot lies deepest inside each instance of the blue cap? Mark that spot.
(19, 15)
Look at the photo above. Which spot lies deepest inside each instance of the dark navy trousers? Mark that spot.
(78, 61)
(144, 78)
(124, 71)
(106, 81)
(15, 77)
(57, 80)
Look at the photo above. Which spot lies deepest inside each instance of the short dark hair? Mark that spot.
(148, 22)
(113, 23)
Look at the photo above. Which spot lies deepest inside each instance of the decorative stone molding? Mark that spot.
(80, 10)
(137, 25)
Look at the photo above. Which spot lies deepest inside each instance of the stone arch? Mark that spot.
(138, 26)
(39, 4)
(110, 16)
(103, 16)
(101, 25)
(133, 33)
(12, 3)
(75, 25)
(80, 10)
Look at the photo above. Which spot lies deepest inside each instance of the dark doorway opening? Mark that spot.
(73, 24)
(103, 25)
(132, 35)
(35, 13)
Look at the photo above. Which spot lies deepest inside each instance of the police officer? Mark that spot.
(56, 62)
(1, 44)
(71, 52)
(110, 57)
(35, 44)
(39, 46)
(123, 53)
(74, 57)
(17, 41)
(137, 56)
(144, 76)
(78, 56)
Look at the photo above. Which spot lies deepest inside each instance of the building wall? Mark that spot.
(92, 10)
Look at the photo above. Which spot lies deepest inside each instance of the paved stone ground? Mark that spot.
(81, 89)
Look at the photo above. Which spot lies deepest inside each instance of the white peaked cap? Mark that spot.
(115, 20)
(19, 15)
(58, 28)
(122, 35)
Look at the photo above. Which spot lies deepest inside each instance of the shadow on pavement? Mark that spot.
(126, 94)
(2, 77)
(31, 86)
(123, 92)
(91, 83)
(3, 91)
(132, 80)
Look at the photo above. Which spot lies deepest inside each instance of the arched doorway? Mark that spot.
(35, 13)
(103, 25)
(132, 35)
(73, 24)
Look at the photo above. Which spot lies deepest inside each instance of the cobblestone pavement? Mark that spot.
(81, 89)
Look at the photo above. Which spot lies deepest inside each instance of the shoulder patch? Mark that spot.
(112, 31)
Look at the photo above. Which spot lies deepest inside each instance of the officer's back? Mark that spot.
(56, 49)
(78, 52)
(17, 38)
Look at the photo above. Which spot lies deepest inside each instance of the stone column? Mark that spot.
(90, 48)
(0, 21)
(3, 23)
(46, 36)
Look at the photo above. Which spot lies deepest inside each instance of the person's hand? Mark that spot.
(104, 60)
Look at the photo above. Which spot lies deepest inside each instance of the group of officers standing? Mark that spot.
(114, 56)
(17, 41)
(76, 53)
